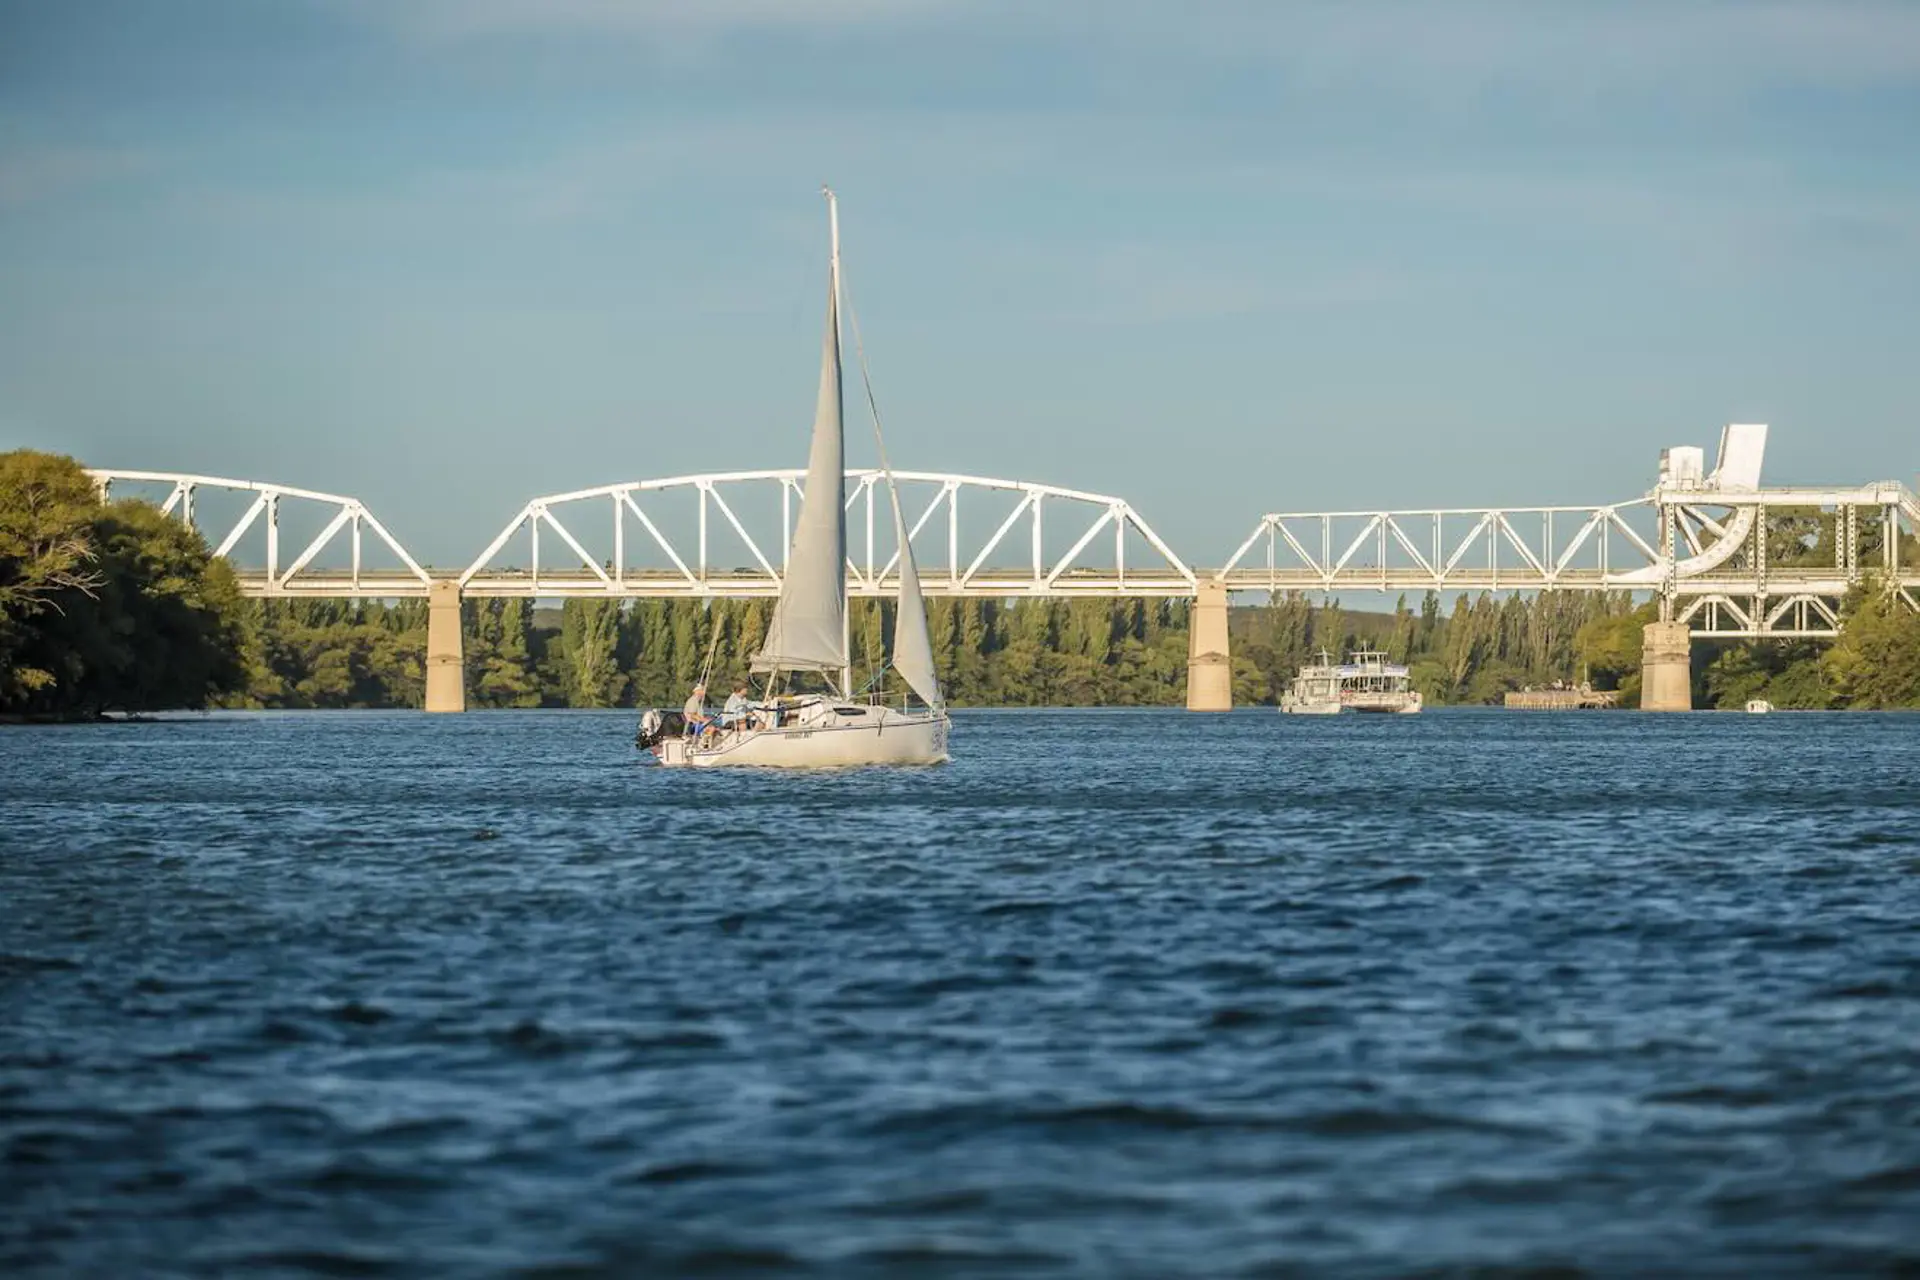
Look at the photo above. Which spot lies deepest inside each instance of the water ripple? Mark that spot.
(1116, 993)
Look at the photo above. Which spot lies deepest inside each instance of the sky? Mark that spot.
(1219, 258)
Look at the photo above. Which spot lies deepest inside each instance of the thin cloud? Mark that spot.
(1472, 45)
(1152, 284)
(642, 18)
(1400, 47)
(32, 174)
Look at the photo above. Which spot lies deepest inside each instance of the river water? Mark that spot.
(1116, 993)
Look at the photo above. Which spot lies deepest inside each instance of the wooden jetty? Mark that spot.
(1579, 698)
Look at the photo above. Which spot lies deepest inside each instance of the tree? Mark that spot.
(589, 642)
(1609, 649)
(1400, 647)
(1463, 651)
(47, 508)
(159, 623)
(1787, 673)
(500, 656)
(868, 635)
(1875, 664)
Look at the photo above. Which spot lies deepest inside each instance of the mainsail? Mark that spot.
(809, 627)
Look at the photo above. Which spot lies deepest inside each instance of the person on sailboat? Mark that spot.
(737, 708)
(698, 723)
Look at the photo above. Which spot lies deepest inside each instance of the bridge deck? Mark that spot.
(1011, 583)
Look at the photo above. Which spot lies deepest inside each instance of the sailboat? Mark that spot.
(809, 633)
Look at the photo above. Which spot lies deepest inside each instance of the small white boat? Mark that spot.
(1758, 706)
(1315, 690)
(808, 633)
(1366, 682)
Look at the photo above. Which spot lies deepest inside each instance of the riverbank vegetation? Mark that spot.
(591, 653)
(107, 606)
(1873, 666)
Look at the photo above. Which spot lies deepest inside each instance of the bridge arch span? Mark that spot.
(283, 576)
(955, 556)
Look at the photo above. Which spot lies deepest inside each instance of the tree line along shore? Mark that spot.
(115, 607)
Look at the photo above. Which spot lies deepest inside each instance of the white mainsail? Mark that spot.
(809, 627)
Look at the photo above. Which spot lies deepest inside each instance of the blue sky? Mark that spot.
(1217, 258)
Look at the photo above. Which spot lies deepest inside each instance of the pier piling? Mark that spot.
(1209, 665)
(446, 677)
(1666, 677)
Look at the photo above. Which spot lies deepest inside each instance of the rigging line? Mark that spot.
(713, 645)
(866, 384)
(879, 441)
(873, 410)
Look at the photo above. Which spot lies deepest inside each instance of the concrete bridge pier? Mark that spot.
(1666, 667)
(446, 676)
(1209, 664)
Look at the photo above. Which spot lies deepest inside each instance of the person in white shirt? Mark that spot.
(696, 710)
(737, 706)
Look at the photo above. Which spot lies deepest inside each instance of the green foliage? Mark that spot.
(1875, 664)
(598, 653)
(107, 607)
(1788, 673)
(1608, 648)
(502, 654)
(589, 653)
(47, 509)
(336, 653)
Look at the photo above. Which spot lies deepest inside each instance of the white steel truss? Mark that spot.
(283, 577)
(1703, 551)
(953, 557)
(1494, 549)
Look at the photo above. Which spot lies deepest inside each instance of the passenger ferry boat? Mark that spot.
(1365, 682)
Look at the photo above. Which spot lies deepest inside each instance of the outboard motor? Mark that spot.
(652, 729)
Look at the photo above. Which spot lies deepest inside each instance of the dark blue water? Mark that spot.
(1122, 993)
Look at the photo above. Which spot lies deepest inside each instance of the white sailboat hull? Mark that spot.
(839, 737)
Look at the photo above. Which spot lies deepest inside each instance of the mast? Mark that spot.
(833, 276)
(808, 631)
(912, 645)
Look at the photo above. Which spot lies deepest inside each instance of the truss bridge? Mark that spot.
(1726, 557)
